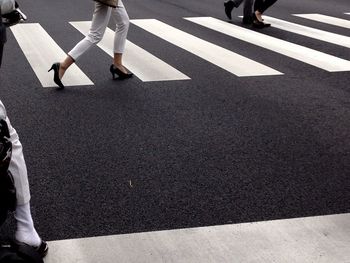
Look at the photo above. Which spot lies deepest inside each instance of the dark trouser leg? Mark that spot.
(262, 6)
(258, 4)
(247, 8)
(237, 3)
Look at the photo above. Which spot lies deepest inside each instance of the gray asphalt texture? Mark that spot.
(127, 156)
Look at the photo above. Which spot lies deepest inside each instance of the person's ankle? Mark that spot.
(61, 71)
(120, 67)
(258, 16)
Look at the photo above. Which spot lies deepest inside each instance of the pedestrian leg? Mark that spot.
(247, 12)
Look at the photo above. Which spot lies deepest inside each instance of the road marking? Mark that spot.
(143, 64)
(326, 19)
(226, 59)
(309, 32)
(307, 55)
(319, 239)
(42, 51)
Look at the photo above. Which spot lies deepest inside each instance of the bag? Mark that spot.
(111, 3)
(8, 198)
(21, 254)
(7, 187)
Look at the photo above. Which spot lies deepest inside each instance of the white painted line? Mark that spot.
(309, 32)
(42, 51)
(347, 13)
(320, 239)
(307, 55)
(143, 64)
(326, 19)
(226, 59)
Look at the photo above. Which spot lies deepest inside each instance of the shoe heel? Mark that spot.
(56, 67)
(113, 75)
(111, 69)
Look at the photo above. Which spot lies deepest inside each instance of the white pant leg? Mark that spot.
(121, 19)
(17, 166)
(100, 19)
(2, 111)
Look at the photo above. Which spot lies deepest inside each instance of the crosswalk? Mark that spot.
(40, 49)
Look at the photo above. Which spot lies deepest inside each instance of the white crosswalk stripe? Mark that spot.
(309, 32)
(326, 19)
(228, 60)
(307, 55)
(320, 239)
(143, 64)
(41, 51)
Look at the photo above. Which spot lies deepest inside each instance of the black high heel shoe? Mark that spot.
(121, 74)
(56, 68)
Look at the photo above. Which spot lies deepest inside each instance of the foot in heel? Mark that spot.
(121, 75)
(56, 68)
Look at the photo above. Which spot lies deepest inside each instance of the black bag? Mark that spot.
(11, 19)
(13, 16)
(20, 254)
(7, 188)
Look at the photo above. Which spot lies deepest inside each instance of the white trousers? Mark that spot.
(100, 19)
(17, 166)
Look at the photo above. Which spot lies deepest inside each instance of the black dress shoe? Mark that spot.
(229, 5)
(258, 24)
(56, 68)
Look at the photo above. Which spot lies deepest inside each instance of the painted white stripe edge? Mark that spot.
(42, 51)
(144, 65)
(319, 239)
(223, 58)
(326, 19)
(308, 31)
(307, 55)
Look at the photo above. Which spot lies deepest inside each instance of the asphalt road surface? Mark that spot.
(212, 147)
